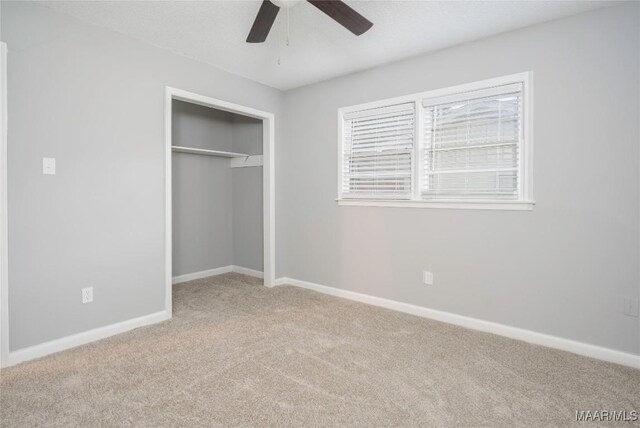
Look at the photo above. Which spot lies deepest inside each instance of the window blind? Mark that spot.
(471, 145)
(377, 152)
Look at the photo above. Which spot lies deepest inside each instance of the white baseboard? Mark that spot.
(581, 348)
(202, 274)
(288, 281)
(217, 271)
(247, 271)
(83, 338)
(576, 347)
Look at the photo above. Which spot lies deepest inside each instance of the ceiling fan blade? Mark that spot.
(263, 22)
(343, 15)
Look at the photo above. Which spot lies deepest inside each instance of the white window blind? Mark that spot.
(471, 145)
(377, 152)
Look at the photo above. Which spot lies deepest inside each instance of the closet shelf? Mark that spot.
(220, 153)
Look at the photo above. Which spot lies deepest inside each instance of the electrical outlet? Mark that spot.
(87, 295)
(628, 306)
(49, 166)
(427, 277)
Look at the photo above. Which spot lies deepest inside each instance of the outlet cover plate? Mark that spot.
(628, 306)
(632, 307)
(49, 166)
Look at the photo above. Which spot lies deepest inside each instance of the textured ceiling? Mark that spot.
(214, 32)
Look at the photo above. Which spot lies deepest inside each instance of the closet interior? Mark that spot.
(217, 192)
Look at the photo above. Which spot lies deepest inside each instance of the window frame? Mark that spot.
(525, 199)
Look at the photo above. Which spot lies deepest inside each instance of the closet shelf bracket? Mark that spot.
(247, 161)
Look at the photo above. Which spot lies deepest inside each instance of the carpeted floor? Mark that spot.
(239, 354)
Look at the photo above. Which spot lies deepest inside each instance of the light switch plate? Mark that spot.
(427, 277)
(48, 166)
(87, 295)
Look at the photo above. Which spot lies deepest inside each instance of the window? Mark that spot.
(462, 147)
(378, 152)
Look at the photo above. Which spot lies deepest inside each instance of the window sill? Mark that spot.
(465, 205)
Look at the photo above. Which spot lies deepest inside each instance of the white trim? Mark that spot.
(340, 143)
(458, 89)
(83, 338)
(525, 196)
(474, 205)
(283, 280)
(268, 178)
(168, 212)
(418, 151)
(216, 271)
(481, 92)
(526, 155)
(269, 201)
(247, 271)
(581, 348)
(179, 279)
(4, 225)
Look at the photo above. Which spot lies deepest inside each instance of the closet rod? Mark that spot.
(182, 149)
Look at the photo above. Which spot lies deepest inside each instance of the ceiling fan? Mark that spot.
(336, 9)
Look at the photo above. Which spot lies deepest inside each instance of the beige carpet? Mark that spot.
(238, 354)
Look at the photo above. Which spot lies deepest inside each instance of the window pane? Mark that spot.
(470, 147)
(377, 152)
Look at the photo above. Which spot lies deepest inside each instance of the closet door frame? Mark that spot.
(4, 225)
(268, 178)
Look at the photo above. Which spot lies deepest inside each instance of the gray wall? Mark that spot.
(217, 210)
(555, 270)
(247, 197)
(247, 135)
(202, 127)
(201, 190)
(94, 100)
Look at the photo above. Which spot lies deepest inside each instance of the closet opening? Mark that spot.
(219, 190)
